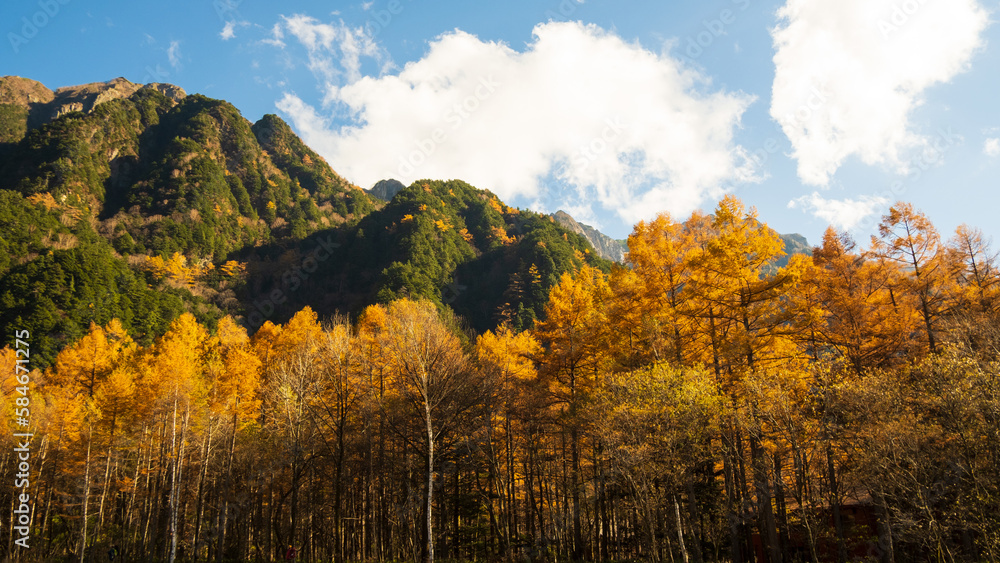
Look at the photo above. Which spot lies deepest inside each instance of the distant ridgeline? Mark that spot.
(119, 200)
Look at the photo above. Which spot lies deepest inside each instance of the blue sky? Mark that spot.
(815, 112)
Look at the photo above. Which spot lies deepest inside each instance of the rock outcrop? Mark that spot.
(386, 189)
(30, 104)
(605, 246)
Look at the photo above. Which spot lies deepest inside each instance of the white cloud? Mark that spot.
(277, 36)
(228, 31)
(631, 129)
(174, 54)
(848, 75)
(325, 43)
(844, 214)
(991, 147)
(367, 5)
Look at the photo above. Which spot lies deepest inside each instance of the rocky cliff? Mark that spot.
(605, 246)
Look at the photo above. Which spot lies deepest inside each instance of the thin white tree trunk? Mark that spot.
(172, 554)
(430, 486)
(107, 473)
(86, 497)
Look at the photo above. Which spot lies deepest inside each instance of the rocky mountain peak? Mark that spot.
(175, 93)
(605, 246)
(42, 105)
(23, 92)
(386, 189)
(86, 97)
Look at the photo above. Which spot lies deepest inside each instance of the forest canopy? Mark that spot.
(697, 403)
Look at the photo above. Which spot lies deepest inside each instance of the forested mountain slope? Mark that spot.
(139, 202)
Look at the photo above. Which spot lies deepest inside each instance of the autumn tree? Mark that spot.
(854, 313)
(291, 384)
(432, 381)
(908, 239)
(744, 303)
(336, 410)
(697, 399)
(660, 255)
(235, 376)
(741, 294)
(926, 450)
(83, 366)
(81, 371)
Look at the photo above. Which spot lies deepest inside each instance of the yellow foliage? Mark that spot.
(511, 354)
(573, 332)
(86, 364)
(501, 235)
(178, 359)
(176, 268)
(236, 371)
(44, 199)
(232, 268)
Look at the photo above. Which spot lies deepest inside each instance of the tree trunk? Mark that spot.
(175, 481)
(885, 543)
(695, 520)
(734, 511)
(680, 531)
(835, 505)
(205, 454)
(107, 474)
(762, 484)
(779, 501)
(801, 498)
(578, 547)
(230, 485)
(86, 498)
(430, 485)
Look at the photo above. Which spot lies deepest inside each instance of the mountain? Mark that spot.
(128, 204)
(605, 246)
(794, 244)
(139, 202)
(386, 189)
(615, 250)
(190, 175)
(444, 241)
